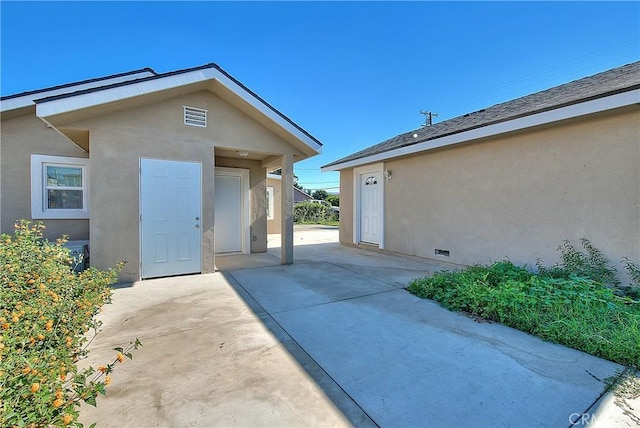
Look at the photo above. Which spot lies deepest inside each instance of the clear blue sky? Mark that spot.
(351, 73)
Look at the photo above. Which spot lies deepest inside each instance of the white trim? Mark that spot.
(103, 96)
(274, 176)
(27, 100)
(270, 203)
(39, 208)
(589, 107)
(246, 208)
(357, 172)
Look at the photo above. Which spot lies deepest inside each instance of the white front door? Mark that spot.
(170, 213)
(231, 210)
(370, 191)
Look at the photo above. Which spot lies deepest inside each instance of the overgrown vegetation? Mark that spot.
(314, 213)
(578, 302)
(45, 310)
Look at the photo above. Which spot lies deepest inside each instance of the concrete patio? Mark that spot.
(332, 340)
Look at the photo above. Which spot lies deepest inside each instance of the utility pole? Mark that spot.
(428, 117)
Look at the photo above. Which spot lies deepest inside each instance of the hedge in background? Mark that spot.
(45, 310)
(313, 212)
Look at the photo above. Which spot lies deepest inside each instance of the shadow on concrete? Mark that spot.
(343, 402)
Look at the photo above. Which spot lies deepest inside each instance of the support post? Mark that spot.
(286, 208)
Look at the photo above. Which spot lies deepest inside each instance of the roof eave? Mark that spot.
(610, 102)
(26, 99)
(59, 105)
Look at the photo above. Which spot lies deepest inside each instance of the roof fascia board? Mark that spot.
(28, 99)
(265, 110)
(575, 110)
(47, 108)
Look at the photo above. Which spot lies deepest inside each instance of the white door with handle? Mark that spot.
(170, 217)
(231, 208)
(370, 201)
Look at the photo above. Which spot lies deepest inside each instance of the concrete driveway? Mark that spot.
(332, 340)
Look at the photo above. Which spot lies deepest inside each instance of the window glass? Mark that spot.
(64, 199)
(61, 176)
(269, 203)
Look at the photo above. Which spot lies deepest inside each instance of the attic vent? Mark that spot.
(195, 116)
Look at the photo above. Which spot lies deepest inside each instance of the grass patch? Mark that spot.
(575, 311)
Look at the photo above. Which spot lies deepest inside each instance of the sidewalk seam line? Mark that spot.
(308, 355)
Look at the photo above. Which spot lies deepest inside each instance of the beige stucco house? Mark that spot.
(166, 171)
(510, 181)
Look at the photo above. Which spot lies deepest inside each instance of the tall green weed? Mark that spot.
(572, 310)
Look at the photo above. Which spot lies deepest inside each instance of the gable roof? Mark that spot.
(24, 99)
(531, 110)
(300, 195)
(54, 104)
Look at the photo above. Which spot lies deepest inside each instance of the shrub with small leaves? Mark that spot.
(45, 310)
(313, 212)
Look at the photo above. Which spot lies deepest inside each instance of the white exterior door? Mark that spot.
(231, 210)
(370, 200)
(170, 213)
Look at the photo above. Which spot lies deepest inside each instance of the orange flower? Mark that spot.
(59, 394)
(107, 380)
(67, 418)
(26, 370)
(34, 387)
(58, 402)
(48, 325)
(120, 357)
(40, 337)
(103, 369)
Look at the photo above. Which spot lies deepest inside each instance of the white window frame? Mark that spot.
(270, 206)
(39, 208)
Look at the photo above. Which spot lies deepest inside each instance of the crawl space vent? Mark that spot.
(195, 116)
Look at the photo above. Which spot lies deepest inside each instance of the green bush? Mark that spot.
(592, 264)
(576, 311)
(45, 310)
(313, 212)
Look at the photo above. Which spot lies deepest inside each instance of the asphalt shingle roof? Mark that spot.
(599, 85)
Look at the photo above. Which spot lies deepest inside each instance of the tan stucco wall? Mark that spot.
(346, 206)
(119, 139)
(518, 196)
(20, 137)
(274, 225)
(257, 199)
